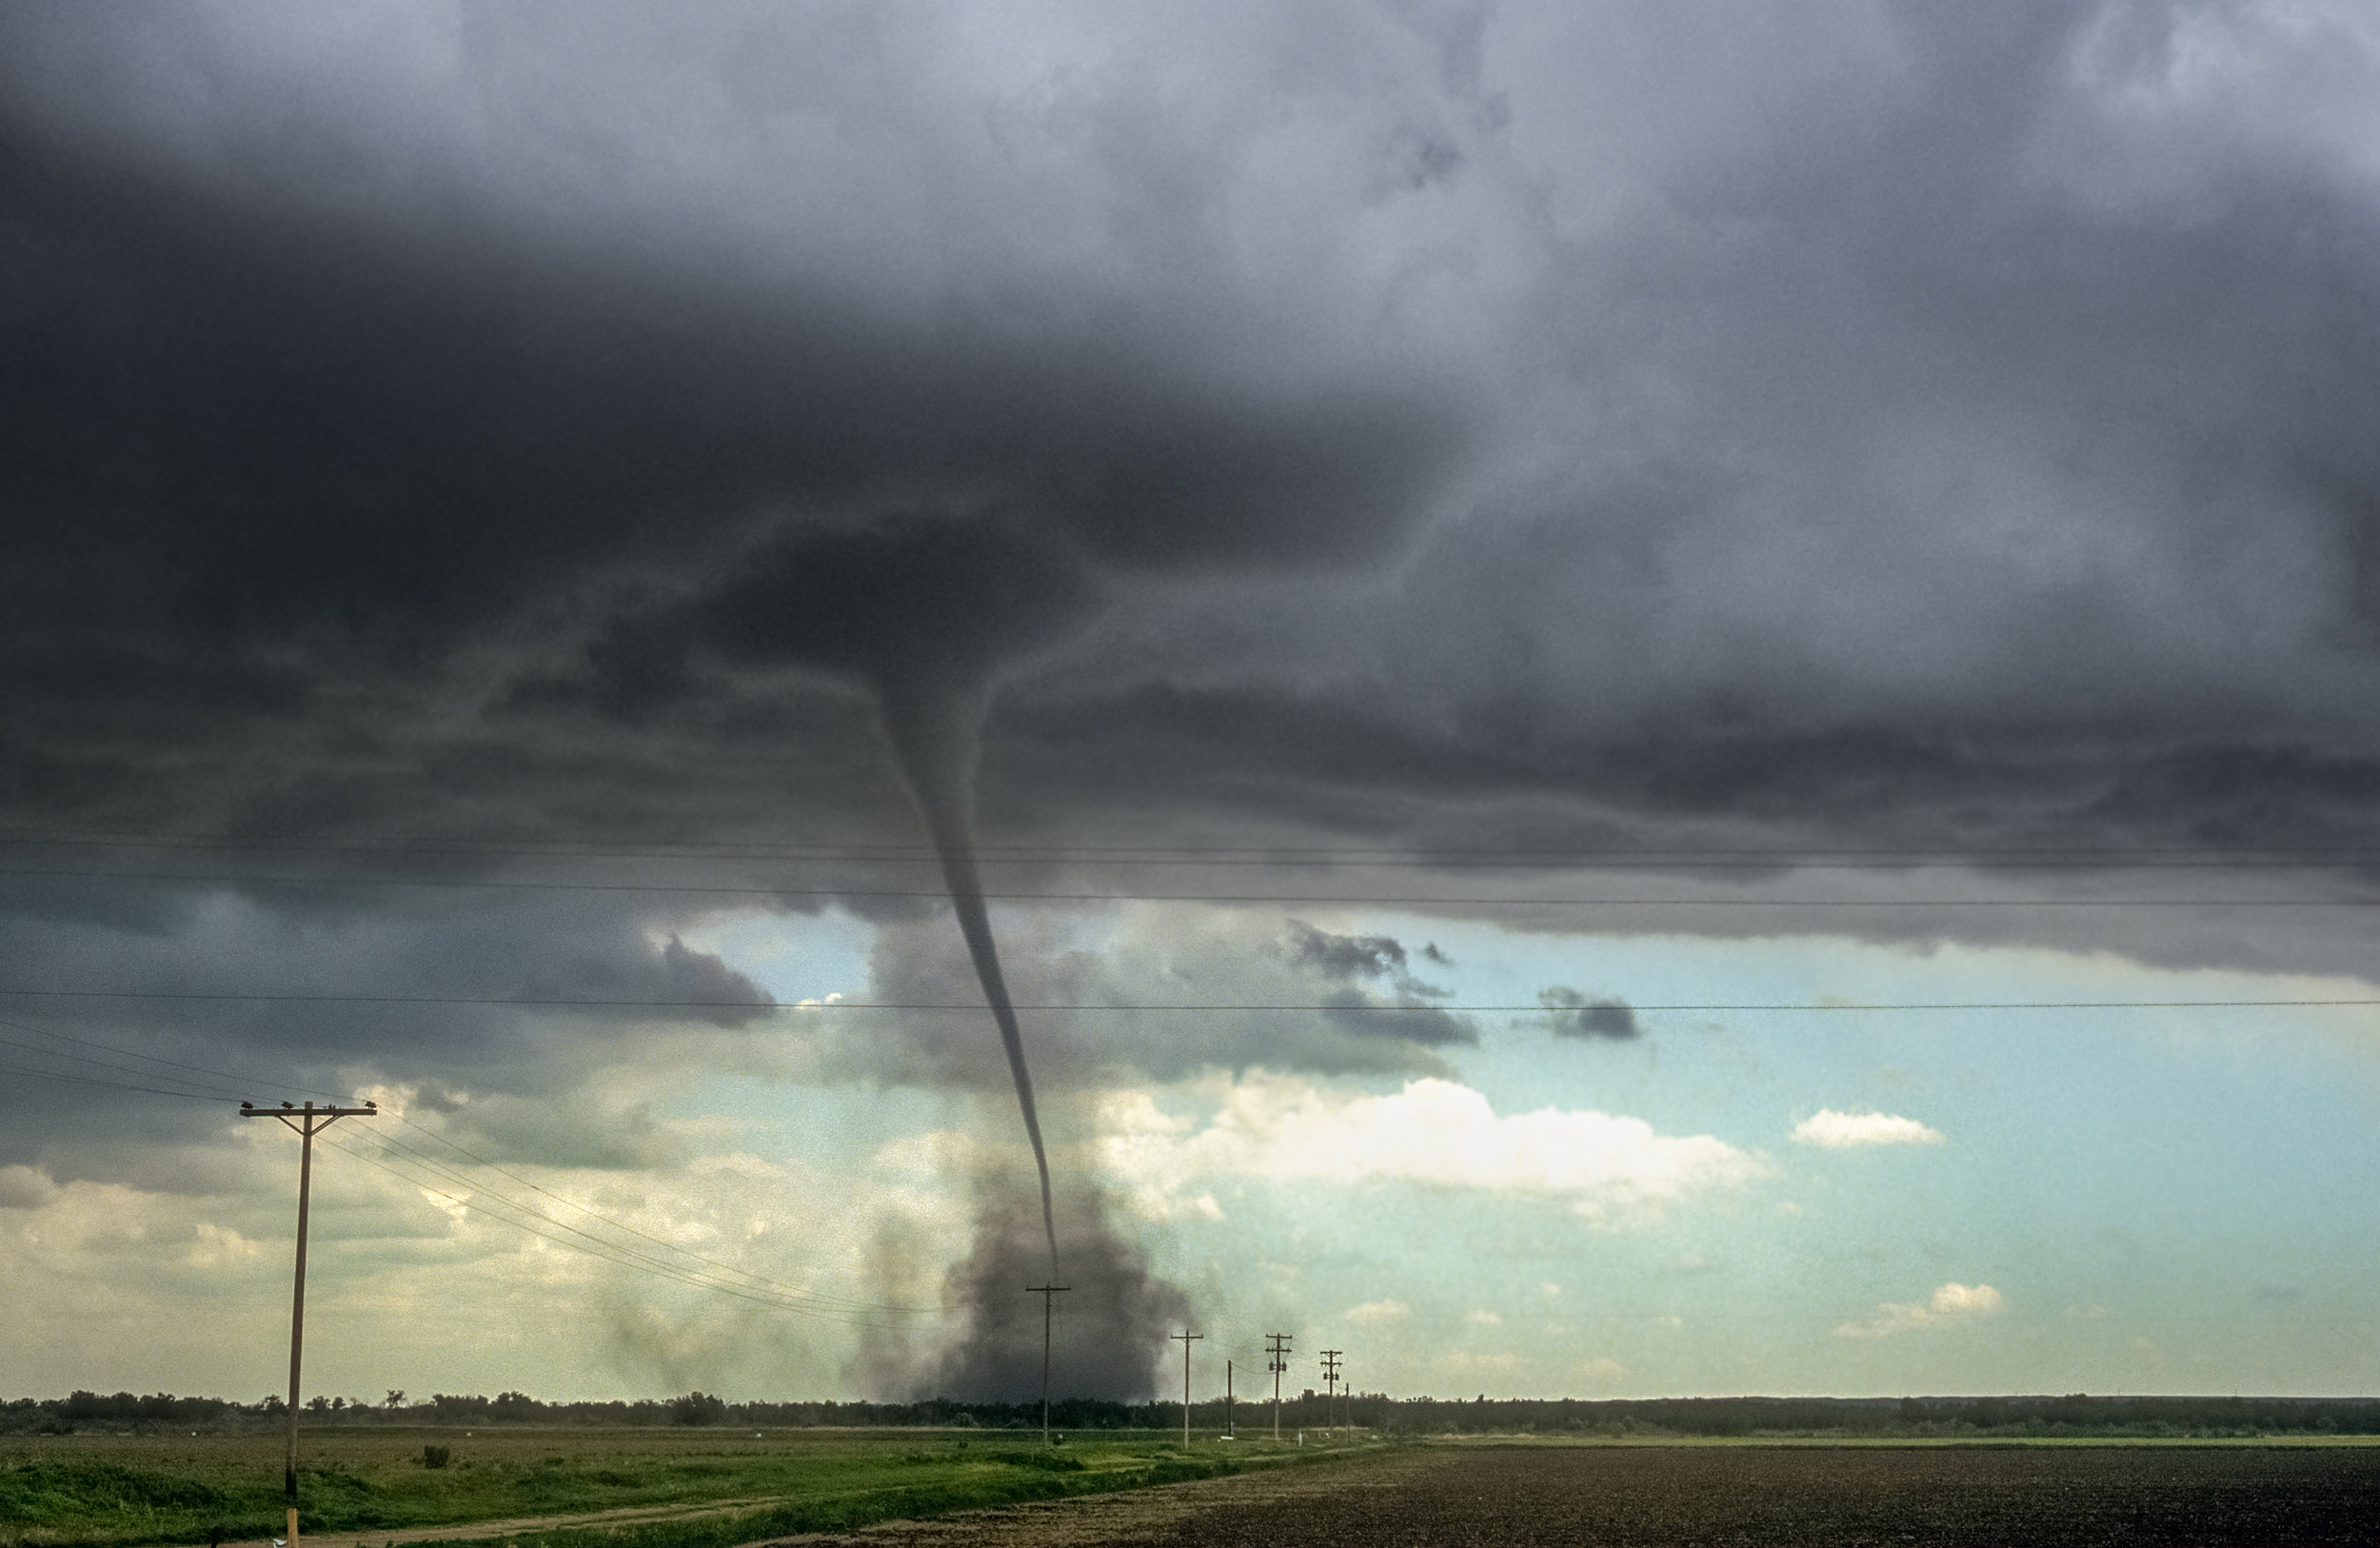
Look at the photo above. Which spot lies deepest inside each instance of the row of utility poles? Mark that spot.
(1276, 1347)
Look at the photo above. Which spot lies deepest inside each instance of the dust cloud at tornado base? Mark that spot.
(1109, 1327)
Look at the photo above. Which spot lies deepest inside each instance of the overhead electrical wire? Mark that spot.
(776, 1292)
(623, 1225)
(1112, 896)
(1180, 1008)
(1689, 857)
(595, 1247)
(111, 1085)
(790, 1297)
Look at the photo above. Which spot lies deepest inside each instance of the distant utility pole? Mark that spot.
(1231, 1430)
(1048, 1292)
(1186, 1339)
(306, 1123)
(1279, 1348)
(1330, 1379)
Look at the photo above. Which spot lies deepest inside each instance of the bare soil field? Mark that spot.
(1891, 1497)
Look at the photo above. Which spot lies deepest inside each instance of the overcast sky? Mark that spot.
(1531, 595)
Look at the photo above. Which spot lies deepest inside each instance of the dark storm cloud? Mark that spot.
(411, 996)
(1571, 1014)
(1449, 427)
(350, 429)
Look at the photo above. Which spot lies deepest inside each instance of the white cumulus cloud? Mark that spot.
(1831, 1130)
(1949, 1303)
(1433, 1133)
(1379, 1311)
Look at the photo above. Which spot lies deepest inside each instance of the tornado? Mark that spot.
(922, 611)
(932, 741)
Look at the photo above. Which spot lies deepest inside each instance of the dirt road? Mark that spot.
(626, 1516)
(1669, 1497)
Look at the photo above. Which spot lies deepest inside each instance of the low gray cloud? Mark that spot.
(1151, 991)
(1346, 956)
(1405, 1018)
(1571, 1014)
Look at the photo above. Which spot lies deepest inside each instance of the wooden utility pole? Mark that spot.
(1047, 1293)
(1330, 1381)
(1186, 1339)
(306, 1123)
(1280, 1351)
(1231, 1429)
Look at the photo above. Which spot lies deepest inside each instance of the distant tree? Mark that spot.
(396, 1397)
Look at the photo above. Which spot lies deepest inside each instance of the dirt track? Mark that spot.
(1661, 1497)
(624, 1516)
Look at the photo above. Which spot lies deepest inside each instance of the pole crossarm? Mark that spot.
(309, 1119)
(305, 1121)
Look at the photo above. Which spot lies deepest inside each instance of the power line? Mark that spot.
(79, 1058)
(975, 1006)
(1111, 896)
(232, 1079)
(111, 1085)
(2311, 855)
(594, 1247)
(438, 1168)
(776, 1286)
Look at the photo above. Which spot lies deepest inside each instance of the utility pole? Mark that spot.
(306, 1123)
(1186, 1338)
(1231, 1430)
(1047, 1293)
(1279, 1348)
(1330, 1379)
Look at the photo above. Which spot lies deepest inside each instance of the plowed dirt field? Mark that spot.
(2044, 1496)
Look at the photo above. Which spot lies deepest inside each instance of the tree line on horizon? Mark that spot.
(1649, 1418)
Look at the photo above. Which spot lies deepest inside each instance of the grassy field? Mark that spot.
(127, 1490)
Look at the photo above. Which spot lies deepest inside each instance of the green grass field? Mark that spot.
(127, 1490)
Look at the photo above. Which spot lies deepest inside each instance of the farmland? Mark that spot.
(675, 1488)
(127, 1490)
(1662, 1496)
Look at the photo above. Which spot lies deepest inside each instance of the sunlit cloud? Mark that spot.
(1831, 1130)
(1949, 1303)
(1433, 1134)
